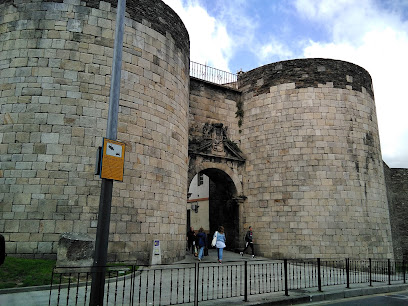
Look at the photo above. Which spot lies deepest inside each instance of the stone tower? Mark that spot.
(55, 66)
(315, 184)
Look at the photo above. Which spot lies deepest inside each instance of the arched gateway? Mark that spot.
(293, 150)
(301, 136)
(217, 157)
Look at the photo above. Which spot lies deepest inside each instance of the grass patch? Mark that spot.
(21, 272)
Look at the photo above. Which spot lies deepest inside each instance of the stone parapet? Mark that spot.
(305, 73)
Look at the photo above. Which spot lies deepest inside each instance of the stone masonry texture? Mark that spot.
(55, 66)
(309, 178)
(397, 192)
(314, 177)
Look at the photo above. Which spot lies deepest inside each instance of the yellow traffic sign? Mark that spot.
(113, 159)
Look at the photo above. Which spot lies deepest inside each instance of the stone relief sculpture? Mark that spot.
(215, 142)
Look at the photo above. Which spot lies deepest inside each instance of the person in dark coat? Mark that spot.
(249, 242)
(191, 239)
(202, 242)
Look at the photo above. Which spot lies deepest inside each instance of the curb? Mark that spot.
(24, 289)
(327, 296)
(63, 286)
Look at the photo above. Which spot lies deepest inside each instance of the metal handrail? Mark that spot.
(213, 75)
(204, 281)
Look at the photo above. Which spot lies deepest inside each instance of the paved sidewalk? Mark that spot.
(40, 295)
(212, 257)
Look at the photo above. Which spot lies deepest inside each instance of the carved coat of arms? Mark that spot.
(215, 142)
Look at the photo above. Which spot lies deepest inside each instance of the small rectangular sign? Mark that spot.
(156, 247)
(113, 159)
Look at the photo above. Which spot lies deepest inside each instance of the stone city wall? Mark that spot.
(211, 103)
(304, 168)
(314, 177)
(216, 104)
(55, 66)
(397, 192)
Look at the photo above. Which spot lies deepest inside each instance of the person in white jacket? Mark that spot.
(220, 244)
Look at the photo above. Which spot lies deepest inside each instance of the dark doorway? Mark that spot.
(223, 209)
(188, 220)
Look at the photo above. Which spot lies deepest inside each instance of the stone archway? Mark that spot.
(224, 208)
(225, 197)
(215, 155)
(199, 164)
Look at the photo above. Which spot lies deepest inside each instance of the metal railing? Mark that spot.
(213, 75)
(194, 283)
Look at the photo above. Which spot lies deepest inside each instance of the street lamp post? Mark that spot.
(105, 201)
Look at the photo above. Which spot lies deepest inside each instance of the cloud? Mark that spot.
(345, 20)
(273, 51)
(370, 33)
(233, 28)
(246, 29)
(377, 40)
(217, 38)
(209, 41)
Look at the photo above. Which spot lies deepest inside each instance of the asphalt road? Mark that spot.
(389, 299)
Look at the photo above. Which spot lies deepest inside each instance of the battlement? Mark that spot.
(309, 72)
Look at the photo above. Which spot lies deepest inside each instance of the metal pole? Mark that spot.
(196, 266)
(105, 201)
(319, 276)
(246, 281)
(348, 272)
(285, 268)
(389, 271)
(371, 279)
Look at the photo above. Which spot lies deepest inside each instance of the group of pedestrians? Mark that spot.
(198, 242)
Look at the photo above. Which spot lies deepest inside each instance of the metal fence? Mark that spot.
(213, 75)
(194, 283)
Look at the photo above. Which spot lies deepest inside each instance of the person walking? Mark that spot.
(249, 241)
(220, 244)
(190, 239)
(202, 242)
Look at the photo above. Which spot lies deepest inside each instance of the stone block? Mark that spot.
(11, 226)
(72, 65)
(63, 226)
(55, 119)
(74, 25)
(22, 198)
(49, 137)
(26, 247)
(19, 237)
(30, 226)
(28, 91)
(53, 149)
(45, 247)
(75, 249)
